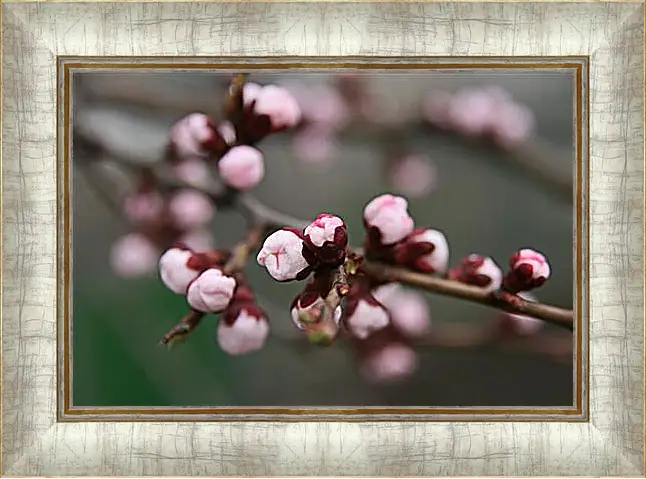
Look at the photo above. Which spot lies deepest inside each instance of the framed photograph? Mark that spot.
(312, 243)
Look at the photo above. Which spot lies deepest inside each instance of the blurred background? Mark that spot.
(487, 198)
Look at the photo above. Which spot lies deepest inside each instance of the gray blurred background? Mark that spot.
(482, 204)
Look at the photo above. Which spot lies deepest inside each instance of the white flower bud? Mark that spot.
(174, 270)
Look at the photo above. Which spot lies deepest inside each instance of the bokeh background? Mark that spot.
(482, 203)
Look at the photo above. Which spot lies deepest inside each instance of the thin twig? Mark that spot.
(326, 330)
(241, 252)
(254, 208)
(181, 330)
(551, 314)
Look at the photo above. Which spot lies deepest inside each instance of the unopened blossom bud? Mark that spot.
(145, 207)
(529, 270)
(175, 271)
(365, 315)
(409, 311)
(250, 92)
(414, 176)
(478, 270)
(308, 309)
(315, 146)
(193, 171)
(242, 167)
(211, 292)
(512, 124)
(520, 324)
(389, 364)
(279, 105)
(195, 135)
(282, 254)
(323, 106)
(133, 255)
(425, 250)
(243, 329)
(388, 214)
(190, 209)
(327, 238)
(472, 111)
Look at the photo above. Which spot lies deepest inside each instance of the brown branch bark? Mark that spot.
(181, 330)
(502, 301)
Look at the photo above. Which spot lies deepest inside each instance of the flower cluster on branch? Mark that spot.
(363, 296)
(381, 320)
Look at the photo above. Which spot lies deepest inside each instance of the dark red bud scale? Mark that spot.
(466, 272)
(203, 261)
(305, 299)
(215, 143)
(235, 308)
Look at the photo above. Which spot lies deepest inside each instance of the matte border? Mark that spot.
(611, 443)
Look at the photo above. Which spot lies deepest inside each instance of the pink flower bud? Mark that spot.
(141, 208)
(512, 124)
(478, 271)
(193, 171)
(242, 167)
(409, 311)
(314, 146)
(174, 270)
(529, 270)
(133, 255)
(306, 310)
(424, 250)
(414, 176)
(198, 240)
(282, 255)
(323, 106)
(520, 324)
(279, 105)
(327, 238)
(389, 215)
(365, 315)
(472, 111)
(244, 333)
(211, 292)
(194, 135)
(190, 209)
(391, 363)
(250, 92)
(386, 293)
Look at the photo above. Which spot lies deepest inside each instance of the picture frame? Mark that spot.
(42, 432)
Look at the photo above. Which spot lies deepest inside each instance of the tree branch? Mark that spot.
(264, 218)
(181, 330)
(242, 251)
(267, 218)
(503, 301)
